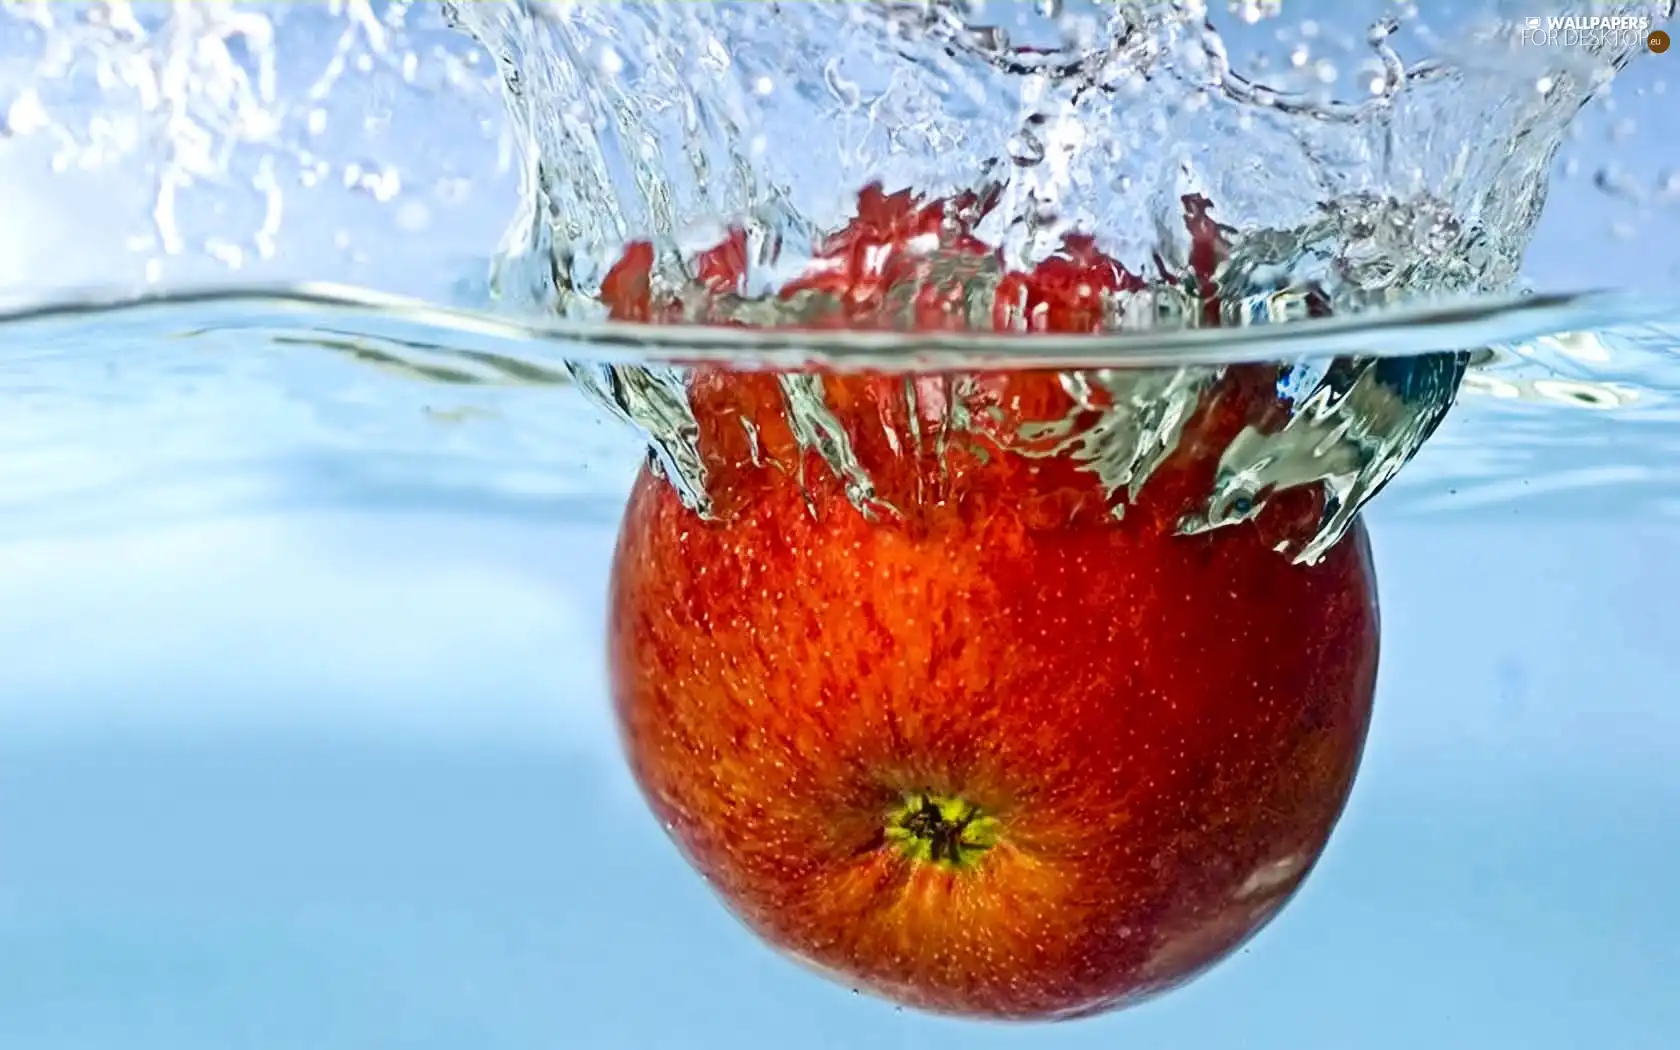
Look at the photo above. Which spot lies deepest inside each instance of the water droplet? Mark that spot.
(1615, 182)
(845, 91)
(1025, 148)
(1381, 30)
(991, 39)
(225, 252)
(382, 184)
(25, 115)
(1252, 11)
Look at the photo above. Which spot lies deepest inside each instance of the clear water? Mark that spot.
(304, 736)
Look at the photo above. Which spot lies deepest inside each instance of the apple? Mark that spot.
(963, 736)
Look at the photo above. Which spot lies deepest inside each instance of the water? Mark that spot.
(304, 722)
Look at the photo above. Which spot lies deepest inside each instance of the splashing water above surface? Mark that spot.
(674, 120)
(1397, 194)
(1102, 126)
(1099, 118)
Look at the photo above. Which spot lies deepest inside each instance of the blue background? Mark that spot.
(382, 807)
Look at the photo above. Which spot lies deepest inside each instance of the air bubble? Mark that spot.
(1577, 392)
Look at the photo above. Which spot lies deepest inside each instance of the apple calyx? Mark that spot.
(946, 831)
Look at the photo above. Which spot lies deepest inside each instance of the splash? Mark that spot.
(1404, 165)
(208, 142)
(664, 120)
(661, 123)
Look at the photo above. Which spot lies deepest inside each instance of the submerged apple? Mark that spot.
(983, 747)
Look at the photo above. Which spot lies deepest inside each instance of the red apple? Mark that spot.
(986, 749)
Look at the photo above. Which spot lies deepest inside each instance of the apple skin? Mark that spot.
(1165, 729)
(991, 752)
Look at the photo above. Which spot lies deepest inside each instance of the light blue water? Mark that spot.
(304, 738)
(343, 779)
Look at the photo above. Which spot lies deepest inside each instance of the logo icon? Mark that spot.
(1657, 41)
